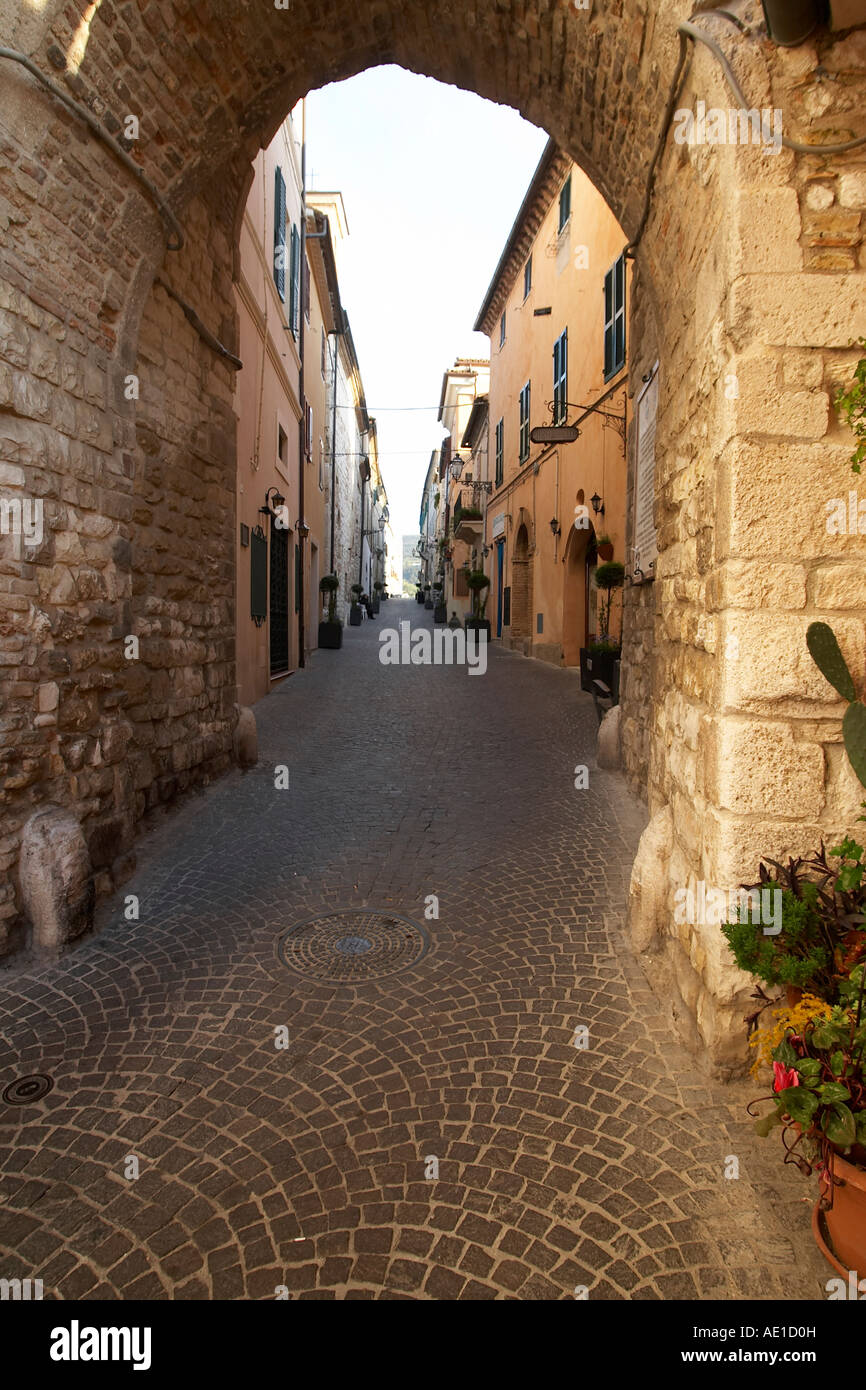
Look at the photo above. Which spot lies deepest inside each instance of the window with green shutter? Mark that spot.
(295, 285)
(560, 379)
(524, 423)
(614, 319)
(565, 203)
(280, 233)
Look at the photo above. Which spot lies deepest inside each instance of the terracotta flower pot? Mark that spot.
(605, 550)
(845, 1222)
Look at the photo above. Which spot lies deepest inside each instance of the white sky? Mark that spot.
(432, 178)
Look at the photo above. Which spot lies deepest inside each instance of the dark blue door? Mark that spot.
(500, 564)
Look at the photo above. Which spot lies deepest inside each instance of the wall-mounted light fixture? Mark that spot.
(597, 504)
(302, 529)
(278, 501)
(555, 526)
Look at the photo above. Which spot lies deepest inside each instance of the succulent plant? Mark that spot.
(824, 650)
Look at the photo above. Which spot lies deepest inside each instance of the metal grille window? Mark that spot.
(560, 379)
(614, 319)
(280, 234)
(500, 452)
(524, 423)
(565, 203)
(279, 596)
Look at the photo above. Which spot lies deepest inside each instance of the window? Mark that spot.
(614, 319)
(560, 379)
(565, 203)
(500, 452)
(527, 278)
(324, 354)
(308, 432)
(524, 423)
(502, 330)
(280, 234)
(295, 281)
(283, 446)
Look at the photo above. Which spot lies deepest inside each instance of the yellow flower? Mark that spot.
(791, 1018)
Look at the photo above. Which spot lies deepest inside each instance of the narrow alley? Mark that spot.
(394, 1103)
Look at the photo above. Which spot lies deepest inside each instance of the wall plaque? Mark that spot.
(645, 552)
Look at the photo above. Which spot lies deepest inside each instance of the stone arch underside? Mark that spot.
(139, 495)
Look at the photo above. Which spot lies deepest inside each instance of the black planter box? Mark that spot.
(331, 635)
(375, 605)
(478, 625)
(428, 603)
(419, 598)
(596, 666)
(355, 615)
(440, 613)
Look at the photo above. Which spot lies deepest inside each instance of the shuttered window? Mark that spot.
(524, 423)
(565, 203)
(280, 234)
(614, 319)
(295, 286)
(560, 379)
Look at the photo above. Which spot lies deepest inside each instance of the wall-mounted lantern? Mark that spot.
(597, 504)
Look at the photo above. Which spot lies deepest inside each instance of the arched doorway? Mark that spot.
(578, 616)
(151, 474)
(521, 592)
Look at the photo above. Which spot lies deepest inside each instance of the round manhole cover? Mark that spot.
(353, 946)
(27, 1090)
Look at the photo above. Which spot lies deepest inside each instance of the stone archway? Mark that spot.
(743, 274)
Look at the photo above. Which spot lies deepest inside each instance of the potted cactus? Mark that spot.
(478, 583)
(330, 628)
(355, 614)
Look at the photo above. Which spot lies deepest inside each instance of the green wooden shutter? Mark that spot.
(280, 233)
(295, 287)
(614, 319)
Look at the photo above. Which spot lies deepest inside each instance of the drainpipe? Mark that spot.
(790, 22)
(302, 281)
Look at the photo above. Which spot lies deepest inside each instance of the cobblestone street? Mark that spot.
(305, 1166)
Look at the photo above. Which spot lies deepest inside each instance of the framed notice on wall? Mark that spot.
(645, 550)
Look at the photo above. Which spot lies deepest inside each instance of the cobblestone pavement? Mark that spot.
(305, 1166)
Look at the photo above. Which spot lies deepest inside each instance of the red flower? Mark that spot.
(784, 1077)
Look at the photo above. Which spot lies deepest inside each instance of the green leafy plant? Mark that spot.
(609, 576)
(824, 650)
(329, 584)
(478, 582)
(852, 406)
(819, 1086)
(823, 922)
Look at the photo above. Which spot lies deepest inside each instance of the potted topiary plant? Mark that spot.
(378, 586)
(355, 613)
(330, 628)
(598, 659)
(440, 607)
(478, 583)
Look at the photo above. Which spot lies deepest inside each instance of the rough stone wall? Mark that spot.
(746, 267)
(740, 740)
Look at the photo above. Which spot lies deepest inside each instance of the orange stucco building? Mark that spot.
(555, 313)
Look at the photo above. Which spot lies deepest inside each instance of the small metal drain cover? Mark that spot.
(27, 1089)
(353, 946)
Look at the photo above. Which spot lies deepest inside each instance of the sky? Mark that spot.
(432, 178)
